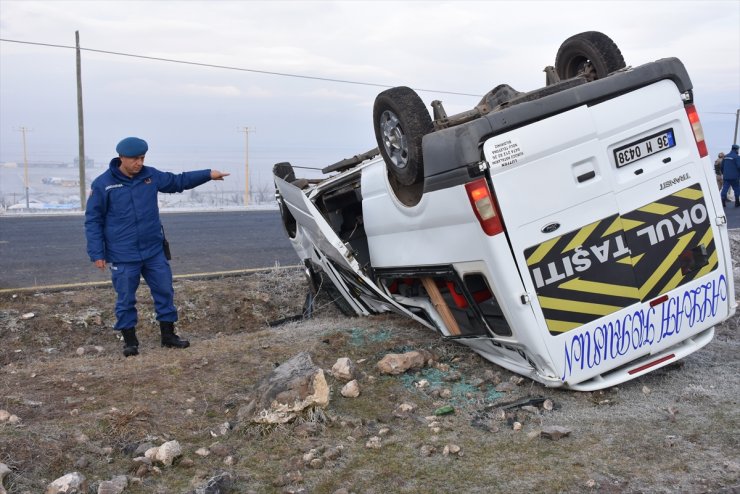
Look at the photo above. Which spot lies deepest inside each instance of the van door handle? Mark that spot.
(586, 176)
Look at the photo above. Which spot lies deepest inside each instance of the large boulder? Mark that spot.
(289, 389)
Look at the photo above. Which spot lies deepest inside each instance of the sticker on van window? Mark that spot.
(612, 263)
(505, 153)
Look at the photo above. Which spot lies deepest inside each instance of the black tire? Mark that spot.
(592, 54)
(401, 120)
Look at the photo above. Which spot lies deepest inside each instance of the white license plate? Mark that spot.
(643, 148)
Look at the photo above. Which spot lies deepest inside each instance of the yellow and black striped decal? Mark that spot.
(614, 262)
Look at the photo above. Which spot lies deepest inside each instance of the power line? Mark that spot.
(241, 69)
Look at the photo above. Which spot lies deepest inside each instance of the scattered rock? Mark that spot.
(427, 450)
(395, 363)
(332, 454)
(291, 388)
(343, 369)
(4, 415)
(28, 315)
(451, 449)
(202, 452)
(218, 484)
(517, 426)
(555, 432)
(351, 389)
(116, 485)
(373, 443)
(404, 410)
(4, 471)
(166, 453)
(222, 430)
(71, 483)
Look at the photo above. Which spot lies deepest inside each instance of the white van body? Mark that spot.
(612, 259)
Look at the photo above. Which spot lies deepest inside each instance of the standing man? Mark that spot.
(718, 169)
(731, 175)
(123, 228)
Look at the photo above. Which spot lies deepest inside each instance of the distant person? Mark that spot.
(123, 228)
(731, 175)
(718, 169)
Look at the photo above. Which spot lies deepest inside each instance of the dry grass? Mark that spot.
(681, 434)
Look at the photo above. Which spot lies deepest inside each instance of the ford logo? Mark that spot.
(550, 227)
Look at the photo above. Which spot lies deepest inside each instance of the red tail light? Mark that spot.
(698, 131)
(484, 206)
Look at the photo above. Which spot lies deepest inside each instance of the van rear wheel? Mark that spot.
(591, 54)
(400, 120)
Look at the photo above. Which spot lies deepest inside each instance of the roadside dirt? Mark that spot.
(82, 406)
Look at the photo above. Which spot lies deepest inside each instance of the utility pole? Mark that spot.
(23, 130)
(737, 120)
(246, 131)
(80, 125)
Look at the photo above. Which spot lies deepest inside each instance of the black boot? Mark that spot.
(737, 202)
(724, 202)
(130, 342)
(169, 338)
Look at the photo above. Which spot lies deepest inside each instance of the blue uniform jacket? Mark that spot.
(731, 166)
(122, 215)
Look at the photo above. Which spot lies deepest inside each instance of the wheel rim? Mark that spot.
(394, 139)
(586, 67)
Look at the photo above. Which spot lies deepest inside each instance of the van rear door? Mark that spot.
(606, 208)
(561, 214)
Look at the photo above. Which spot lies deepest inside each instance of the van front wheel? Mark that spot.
(401, 120)
(591, 54)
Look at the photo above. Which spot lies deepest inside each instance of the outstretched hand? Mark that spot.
(217, 175)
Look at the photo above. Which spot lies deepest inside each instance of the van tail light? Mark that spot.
(698, 131)
(484, 206)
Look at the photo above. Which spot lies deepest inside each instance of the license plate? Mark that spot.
(645, 147)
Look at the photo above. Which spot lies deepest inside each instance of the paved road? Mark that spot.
(733, 216)
(50, 250)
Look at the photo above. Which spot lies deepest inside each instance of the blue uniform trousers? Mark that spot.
(158, 275)
(735, 184)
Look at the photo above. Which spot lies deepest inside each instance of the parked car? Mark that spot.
(573, 234)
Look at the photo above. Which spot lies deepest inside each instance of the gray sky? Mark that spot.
(191, 115)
